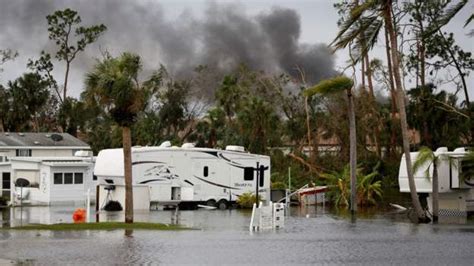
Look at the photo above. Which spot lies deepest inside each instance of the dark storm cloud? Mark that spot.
(222, 38)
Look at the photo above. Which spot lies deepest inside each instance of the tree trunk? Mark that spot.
(435, 195)
(362, 72)
(308, 126)
(393, 94)
(368, 72)
(65, 81)
(127, 160)
(422, 64)
(421, 46)
(353, 151)
(375, 116)
(402, 111)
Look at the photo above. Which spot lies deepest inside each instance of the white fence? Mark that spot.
(267, 217)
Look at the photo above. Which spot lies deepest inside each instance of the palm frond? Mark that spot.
(332, 85)
(350, 21)
(446, 17)
(368, 39)
(425, 156)
(469, 20)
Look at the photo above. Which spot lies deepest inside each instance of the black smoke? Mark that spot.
(222, 38)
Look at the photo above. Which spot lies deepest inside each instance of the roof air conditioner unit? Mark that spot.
(165, 144)
(187, 146)
(235, 148)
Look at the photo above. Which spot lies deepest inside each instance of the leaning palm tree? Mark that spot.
(426, 157)
(334, 85)
(113, 84)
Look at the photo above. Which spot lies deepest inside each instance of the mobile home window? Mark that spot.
(206, 171)
(23, 152)
(248, 173)
(58, 178)
(78, 178)
(6, 181)
(68, 178)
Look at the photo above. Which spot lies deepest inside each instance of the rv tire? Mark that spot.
(211, 203)
(222, 205)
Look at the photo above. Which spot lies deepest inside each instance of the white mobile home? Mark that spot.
(59, 180)
(455, 187)
(33, 145)
(186, 175)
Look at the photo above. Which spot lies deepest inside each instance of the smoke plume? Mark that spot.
(222, 37)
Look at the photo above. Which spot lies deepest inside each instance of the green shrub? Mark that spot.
(246, 200)
(278, 185)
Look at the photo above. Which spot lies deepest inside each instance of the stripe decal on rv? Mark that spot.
(145, 162)
(468, 183)
(151, 180)
(215, 184)
(229, 160)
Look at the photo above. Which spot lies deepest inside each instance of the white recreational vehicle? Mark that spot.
(456, 189)
(187, 176)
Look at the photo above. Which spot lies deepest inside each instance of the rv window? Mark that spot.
(78, 178)
(58, 178)
(206, 171)
(68, 178)
(261, 177)
(94, 178)
(248, 173)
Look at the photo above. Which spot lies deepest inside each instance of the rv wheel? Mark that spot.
(222, 204)
(211, 203)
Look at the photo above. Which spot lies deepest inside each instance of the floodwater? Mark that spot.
(312, 235)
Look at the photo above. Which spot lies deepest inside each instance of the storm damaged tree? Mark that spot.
(334, 85)
(71, 38)
(370, 18)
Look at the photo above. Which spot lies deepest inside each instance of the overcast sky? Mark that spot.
(271, 35)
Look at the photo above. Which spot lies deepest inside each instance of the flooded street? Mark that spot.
(311, 236)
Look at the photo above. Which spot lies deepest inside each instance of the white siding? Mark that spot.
(30, 175)
(52, 153)
(69, 192)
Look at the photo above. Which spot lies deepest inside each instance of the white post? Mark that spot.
(88, 205)
(251, 227)
(287, 201)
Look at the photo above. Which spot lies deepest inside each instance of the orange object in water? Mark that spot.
(79, 215)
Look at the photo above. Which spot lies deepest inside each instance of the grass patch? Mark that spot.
(97, 226)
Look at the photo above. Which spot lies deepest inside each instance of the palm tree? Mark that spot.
(367, 188)
(334, 85)
(427, 156)
(113, 84)
(368, 19)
